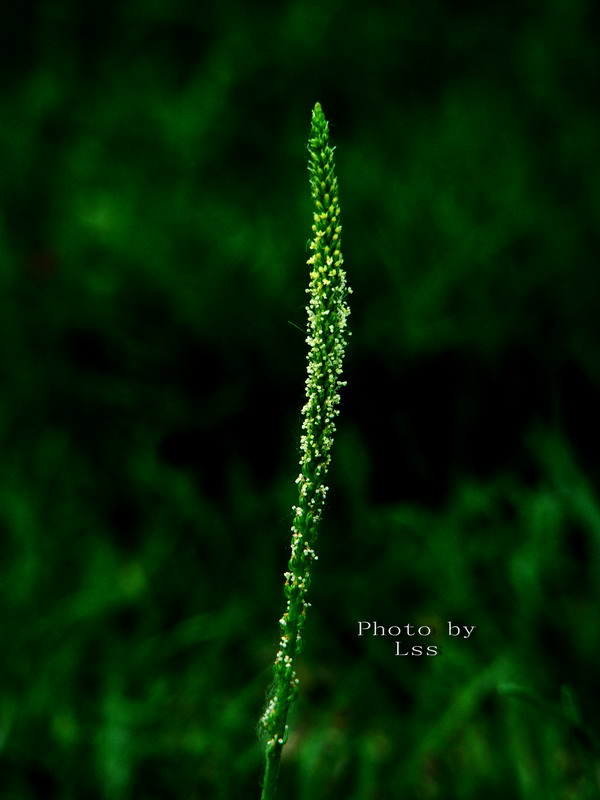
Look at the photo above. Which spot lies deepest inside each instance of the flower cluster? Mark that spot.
(327, 332)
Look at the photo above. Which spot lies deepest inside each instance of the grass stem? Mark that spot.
(327, 332)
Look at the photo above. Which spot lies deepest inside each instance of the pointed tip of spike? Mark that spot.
(317, 110)
(318, 122)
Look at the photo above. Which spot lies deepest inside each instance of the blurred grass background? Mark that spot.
(155, 210)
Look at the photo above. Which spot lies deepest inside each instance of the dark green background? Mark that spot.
(153, 238)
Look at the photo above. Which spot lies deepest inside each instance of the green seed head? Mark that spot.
(327, 333)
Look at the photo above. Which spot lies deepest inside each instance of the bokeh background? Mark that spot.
(154, 218)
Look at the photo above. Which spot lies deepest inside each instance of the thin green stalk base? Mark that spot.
(269, 784)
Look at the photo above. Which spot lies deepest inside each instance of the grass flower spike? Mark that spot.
(327, 332)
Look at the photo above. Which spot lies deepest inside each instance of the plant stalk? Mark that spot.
(327, 332)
